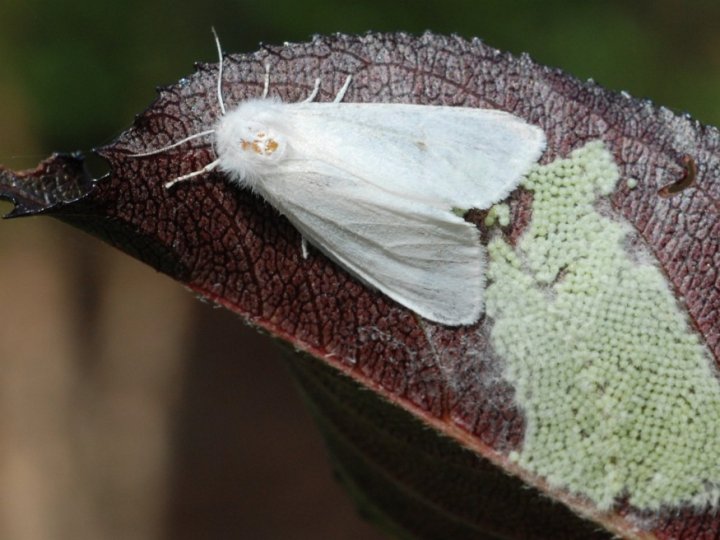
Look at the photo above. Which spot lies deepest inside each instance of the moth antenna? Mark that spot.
(266, 85)
(207, 168)
(175, 144)
(220, 71)
(210, 166)
(343, 90)
(314, 92)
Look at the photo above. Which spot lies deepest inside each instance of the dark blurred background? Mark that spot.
(127, 408)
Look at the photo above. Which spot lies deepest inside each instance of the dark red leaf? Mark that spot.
(233, 248)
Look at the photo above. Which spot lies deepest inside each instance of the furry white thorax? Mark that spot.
(251, 140)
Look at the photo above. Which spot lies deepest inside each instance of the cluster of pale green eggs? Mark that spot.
(620, 396)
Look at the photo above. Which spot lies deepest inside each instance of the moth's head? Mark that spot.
(249, 140)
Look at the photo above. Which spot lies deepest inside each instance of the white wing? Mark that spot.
(448, 156)
(373, 186)
(427, 259)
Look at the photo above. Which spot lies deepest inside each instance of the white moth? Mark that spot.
(377, 186)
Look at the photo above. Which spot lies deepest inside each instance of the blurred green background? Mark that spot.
(128, 409)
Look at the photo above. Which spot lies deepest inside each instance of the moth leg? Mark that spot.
(266, 85)
(207, 168)
(314, 92)
(304, 247)
(343, 90)
(220, 72)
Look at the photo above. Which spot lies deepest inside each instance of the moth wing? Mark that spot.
(451, 156)
(426, 259)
